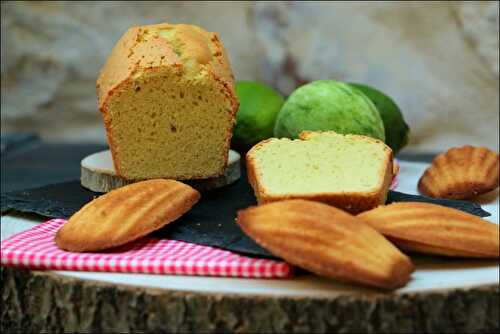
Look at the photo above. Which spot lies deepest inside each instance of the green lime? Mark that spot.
(329, 105)
(259, 106)
(396, 130)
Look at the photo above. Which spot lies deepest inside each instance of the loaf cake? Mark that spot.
(351, 172)
(167, 97)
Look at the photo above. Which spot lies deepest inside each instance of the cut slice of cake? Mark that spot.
(168, 101)
(351, 172)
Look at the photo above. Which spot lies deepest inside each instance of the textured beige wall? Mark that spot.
(439, 61)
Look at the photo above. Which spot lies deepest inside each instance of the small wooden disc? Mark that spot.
(98, 174)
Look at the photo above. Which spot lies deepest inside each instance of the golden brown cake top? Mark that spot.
(198, 52)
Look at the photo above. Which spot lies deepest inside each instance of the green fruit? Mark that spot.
(329, 105)
(396, 130)
(259, 106)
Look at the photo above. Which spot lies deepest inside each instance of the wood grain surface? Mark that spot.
(35, 301)
(98, 174)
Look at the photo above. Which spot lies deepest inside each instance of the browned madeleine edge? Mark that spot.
(401, 266)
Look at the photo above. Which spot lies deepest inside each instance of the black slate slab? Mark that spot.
(210, 222)
(41, 167)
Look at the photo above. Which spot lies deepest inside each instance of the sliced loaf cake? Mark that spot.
(351, 172)
(167, 97)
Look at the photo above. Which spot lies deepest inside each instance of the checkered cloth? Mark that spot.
(36, 249)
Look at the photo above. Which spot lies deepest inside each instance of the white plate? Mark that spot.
(431, 273)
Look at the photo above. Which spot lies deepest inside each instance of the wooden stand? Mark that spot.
(98, 174)
(36, 301)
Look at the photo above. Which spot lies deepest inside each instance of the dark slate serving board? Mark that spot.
(210, 222)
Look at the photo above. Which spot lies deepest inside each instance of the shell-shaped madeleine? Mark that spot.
(435, 229)
(461, 173)
(126, 214)
(327, 241)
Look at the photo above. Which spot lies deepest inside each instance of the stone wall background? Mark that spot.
(439, 60)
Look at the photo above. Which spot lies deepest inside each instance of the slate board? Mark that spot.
(210, 222)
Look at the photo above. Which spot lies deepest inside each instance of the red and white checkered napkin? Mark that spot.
(36, 249)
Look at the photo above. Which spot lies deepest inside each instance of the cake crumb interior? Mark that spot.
(165, 126)
(323, 163)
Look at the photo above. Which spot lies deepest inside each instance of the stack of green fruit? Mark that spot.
(320, 105)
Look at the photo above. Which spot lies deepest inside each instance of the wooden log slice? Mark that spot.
(98, 174)
(39, 301)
